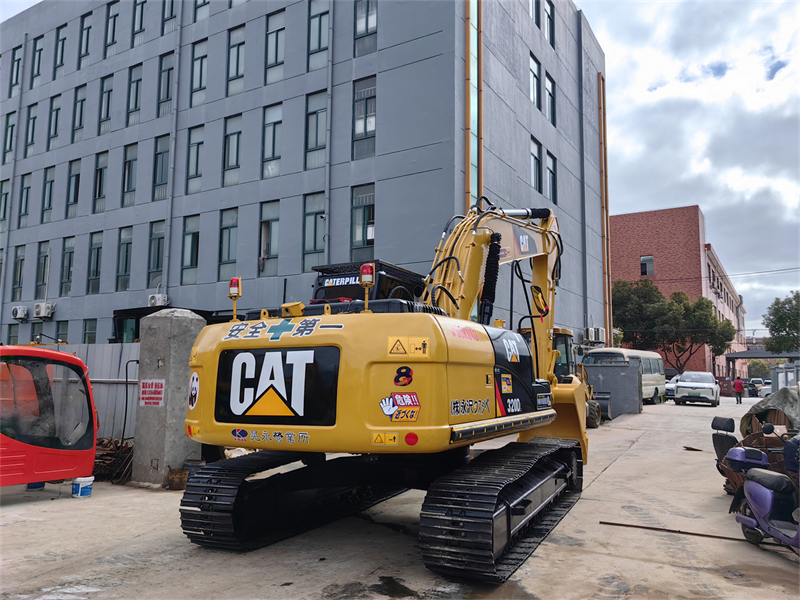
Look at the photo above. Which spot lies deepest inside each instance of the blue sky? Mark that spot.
(703, 109)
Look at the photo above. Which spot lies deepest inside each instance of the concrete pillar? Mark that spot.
(161, 442)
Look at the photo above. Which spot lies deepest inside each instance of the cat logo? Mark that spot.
(268, 397)
(512, 352)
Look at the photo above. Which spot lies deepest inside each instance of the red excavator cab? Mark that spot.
(48, 422)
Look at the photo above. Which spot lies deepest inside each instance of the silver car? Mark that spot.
(697, 386)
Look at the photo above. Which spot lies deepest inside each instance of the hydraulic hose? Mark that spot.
(490, 280)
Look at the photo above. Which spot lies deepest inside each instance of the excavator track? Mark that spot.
(483, 520)
(222, 508)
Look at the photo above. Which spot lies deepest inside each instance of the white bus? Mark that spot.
(653, 380)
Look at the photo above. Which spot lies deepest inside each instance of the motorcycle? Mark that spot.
(766, 503)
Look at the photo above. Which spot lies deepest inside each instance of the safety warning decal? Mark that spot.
(194, 390)
(290, 437)
(274, 332)
(401, 407)
(416, 347)
(505, 381)
(384, 438)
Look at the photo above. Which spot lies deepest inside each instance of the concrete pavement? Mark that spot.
(126, 542)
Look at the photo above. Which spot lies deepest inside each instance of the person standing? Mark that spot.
(738, 388)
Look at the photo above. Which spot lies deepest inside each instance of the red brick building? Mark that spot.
(669, 247)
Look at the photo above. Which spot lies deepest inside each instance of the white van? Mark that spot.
(653, 381)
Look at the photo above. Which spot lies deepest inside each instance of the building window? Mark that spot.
(89, 331)
(134, 94)
(130, 157)
(235, 61)
(100, 170)
(551, 193)
(24, 200)
(273, 123)
(138, 22)
(67, 257)
(549, 23)
(52, 133)
(362, 225)
(42, 270)
(161, 168)
(200, 9)
(366, 37)
(106, 87)
(191, 249)
(83, 49)
(8, 137)
(233, 3)
(313, 231)
(536, 165)
(36, 68)
(194, 167)
(47, 194)
(124, 259)
(62, 331)
(4, 187)
(230, 165)
(155, 261)
(112, 12)
(77, 114)
(13, 334)
(19, 270)
(317, 34)
(364, 102)
(73, 188)
(166, 64)
(229, 224)
(276, 33)
(16, 71)
(268, 257)
(199, 72)
(550, 91)
(168, 18)
(646, 263)
(95, 260)
(534, 10)
(536, 83)
(36, 331)
(61, 43)
(316, 122)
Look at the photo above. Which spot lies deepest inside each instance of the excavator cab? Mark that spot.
(47, 416)
(565, 362)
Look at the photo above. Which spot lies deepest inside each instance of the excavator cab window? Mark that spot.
(45, 403)
(565, 363)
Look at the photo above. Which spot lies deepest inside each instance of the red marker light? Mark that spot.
(234, 286)
(412, 438)
(367, 275)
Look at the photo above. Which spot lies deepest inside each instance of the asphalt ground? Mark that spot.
(126, 542)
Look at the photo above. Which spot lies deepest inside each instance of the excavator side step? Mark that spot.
(221, 508)
(484, 520)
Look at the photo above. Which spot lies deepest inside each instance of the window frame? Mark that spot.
(105, 102)
(73, 183)
(316, 116)
(78, 107)
(94, 265)
(239, 49)
(24, 200)
(198, 159)
(137, 85)
(275, 134)
(61, 46)
(15, 75)
(84, 39)
(124, 268)
(228, 236)
(100, 182)
(48, 186)
(319, 29)
(8, 136)
(202, 59)
(67, 264)
(366, 211)
(272, 234)
(18, 274)
(278, 36)
(193, 237)
(90, 331)
(166, 16)
(53, 122)
(36, 66)
(158, 238)
(165, 81)
(364, 102)
(111, 26)
(198, 6)
(550, 24)
(536, 165)
(42, 269)
(316, 216)
(551, 185)
(550, 92)
(648, 266)
(160, 157)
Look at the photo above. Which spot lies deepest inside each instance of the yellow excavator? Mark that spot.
(348, 402)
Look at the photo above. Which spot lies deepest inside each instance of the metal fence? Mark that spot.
(107, 365)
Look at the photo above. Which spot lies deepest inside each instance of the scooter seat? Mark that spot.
(777, 482)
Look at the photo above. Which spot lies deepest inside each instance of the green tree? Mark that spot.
(637, 309)
(783, 321)
(757, 368)
(686, 326)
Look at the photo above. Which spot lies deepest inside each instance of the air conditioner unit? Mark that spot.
(594, 335)
(20, 313)
(157, 300)
(43, 310)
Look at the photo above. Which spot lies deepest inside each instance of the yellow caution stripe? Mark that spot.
(479, 429)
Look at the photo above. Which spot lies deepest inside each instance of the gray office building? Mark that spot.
(154, 149)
